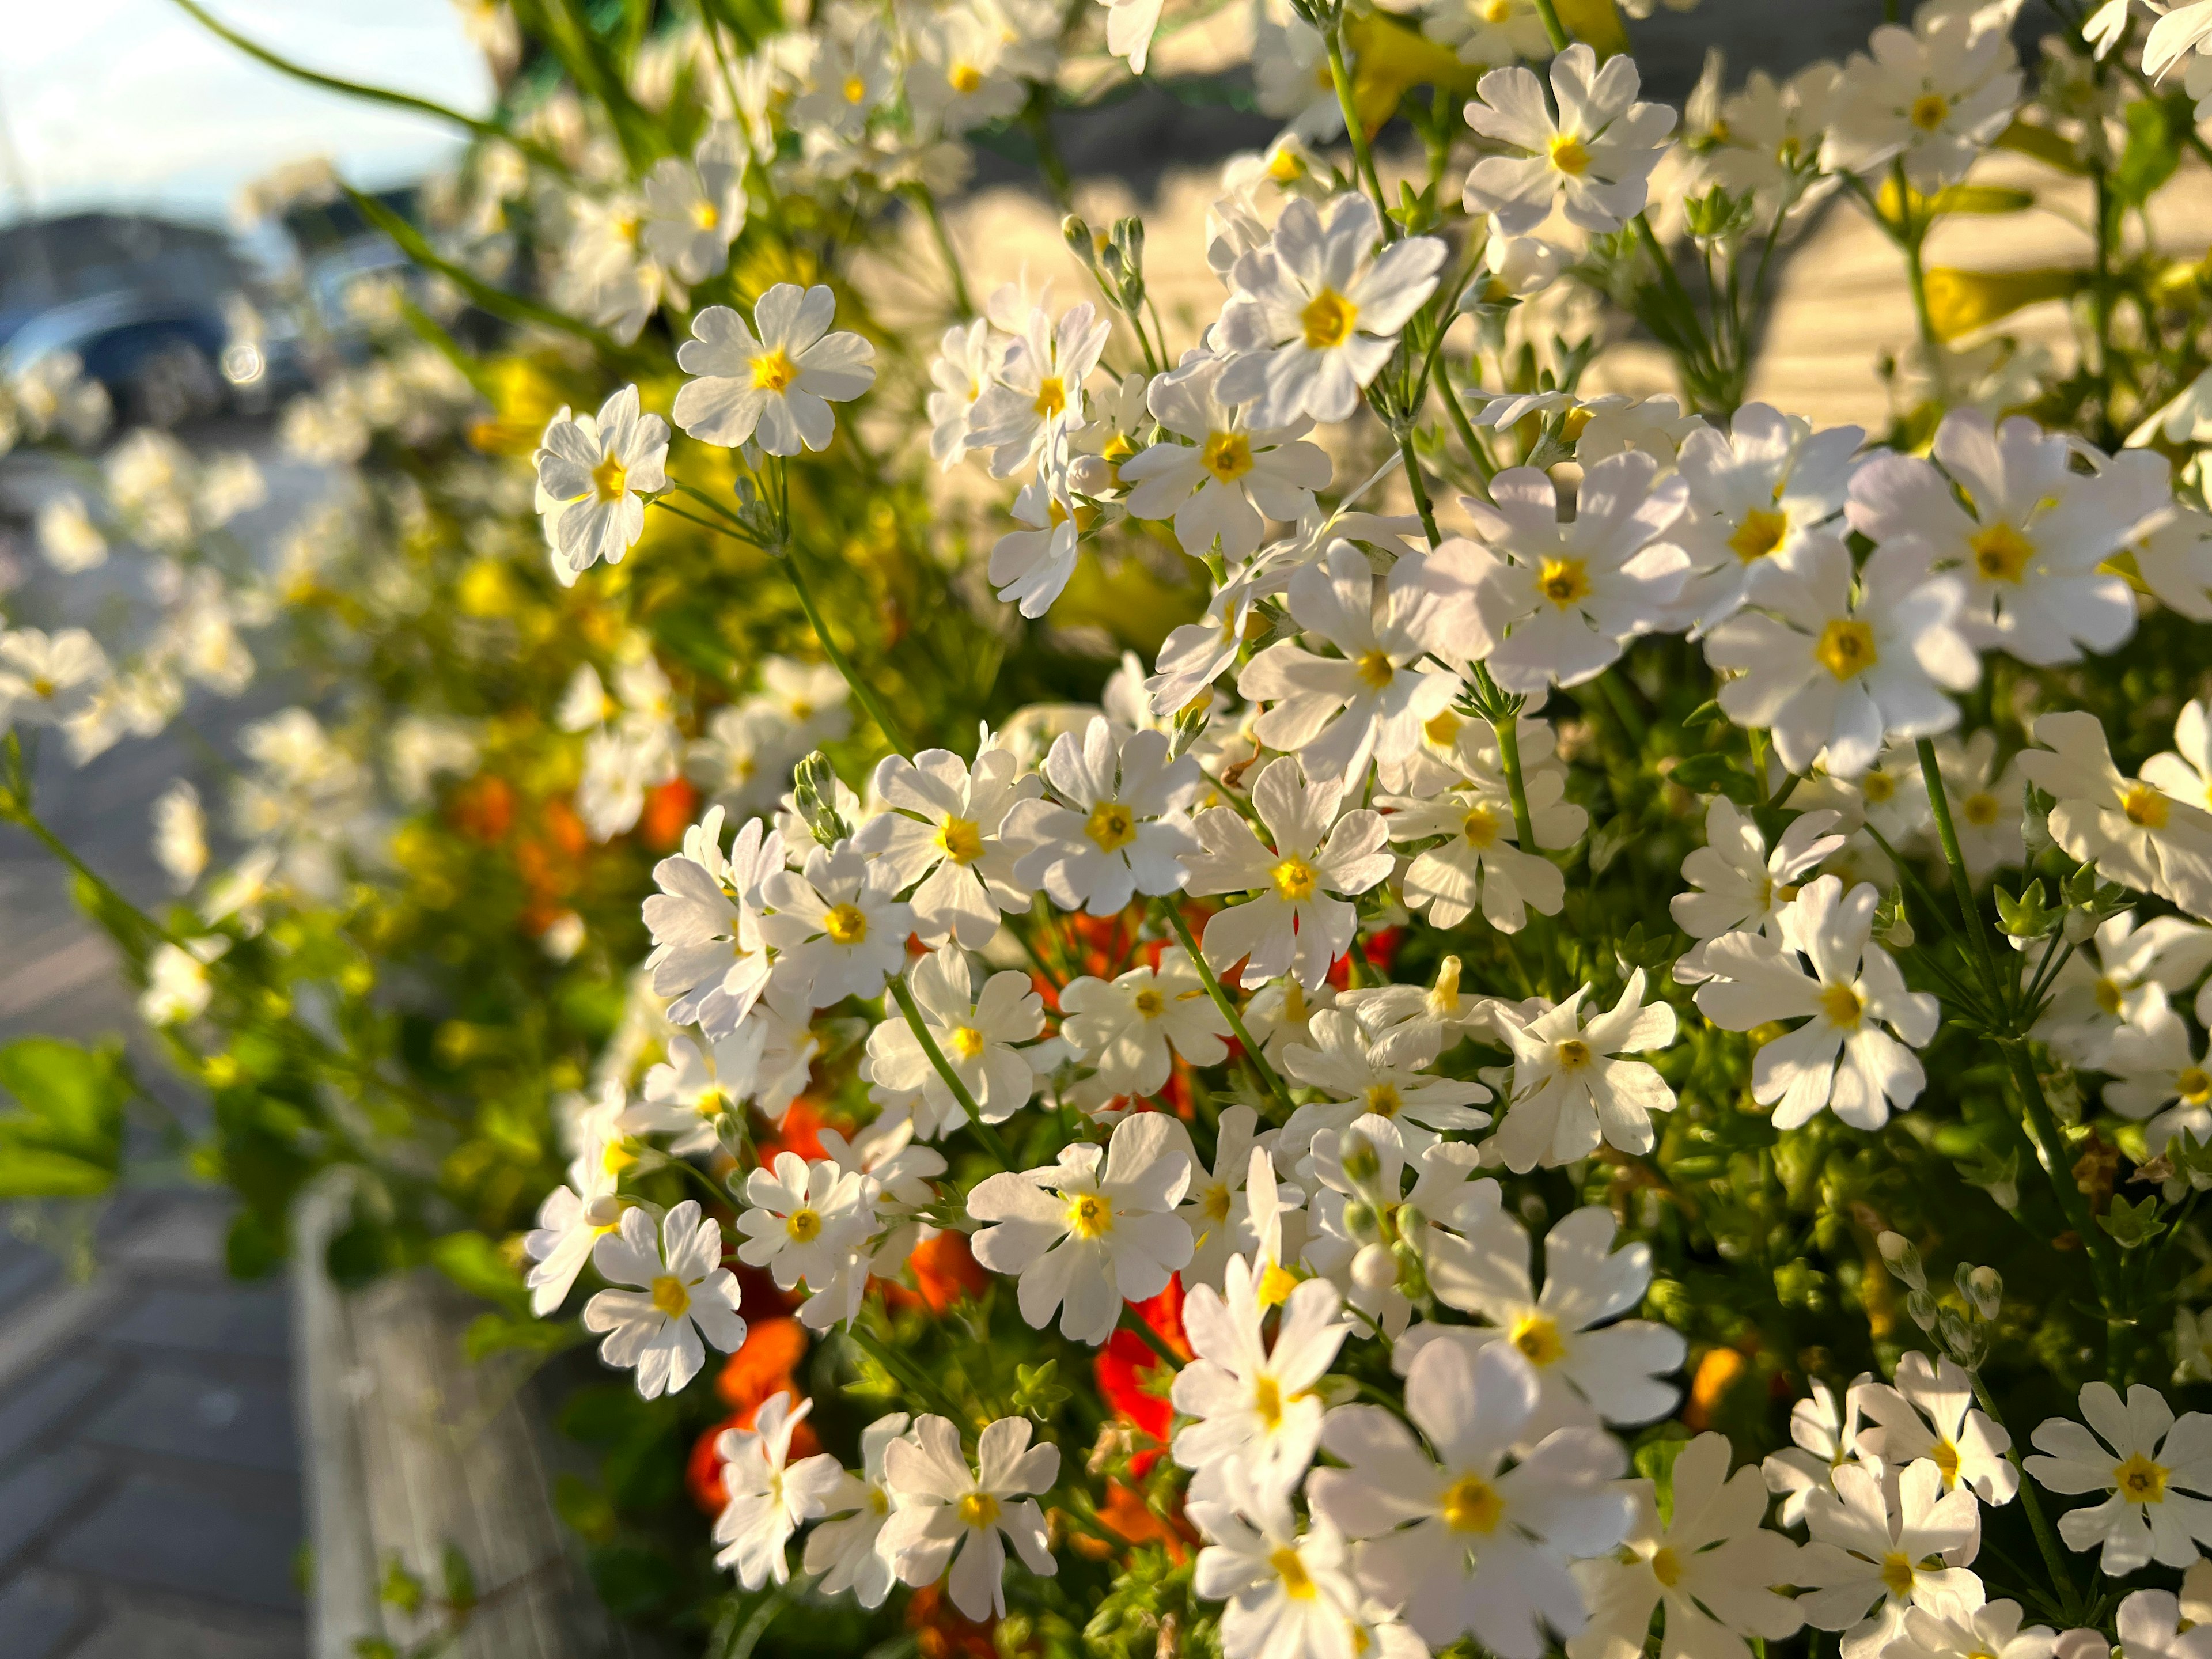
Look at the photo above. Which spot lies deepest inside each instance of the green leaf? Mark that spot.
(66, 1139)
(1713, 775)
(459, 1579)
(2132, 1224)
(2155, 131)
(474, 1262)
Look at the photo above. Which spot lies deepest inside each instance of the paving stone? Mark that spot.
(196, 1539)
(188, 1234)
(176, 1415)
(38, 1614)
(38, 1494)
(24, 1269)
(138, 1634)
(51, 1394)
(250, 1322)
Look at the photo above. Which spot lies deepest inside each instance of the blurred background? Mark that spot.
(150, 1503)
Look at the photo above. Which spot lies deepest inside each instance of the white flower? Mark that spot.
(1753, 495)
(776, 390)
(1087, 1237)
(1253, 1406)
(957, 76)
(1039, 390)
(1841, 1057)
(590, 471)
(1383, 1077)
(811, 699)
(804, 1218)
(1462, 1543)
(975, 1034)
(1772, 135)
(2152, 1625)
(48, 679)
(1491, 32)
(1570, 1088)
(1590, 1365)
(571, 1221)
(709, 957)
(1371, 702)
(1987, 805)
(1929, 1413)
(1301, 918)
(942, 827)
(695, 209)
(842, 1552)
(1222, 1206)
(1129, 26)
(1990, 1631)
(1031, 567)
(766, 1500)
(2108, 975)
(839, 927)
(2029, 551)
(2155, 1064)
(1874, 1561)
(683, 1292)
(1561, 598)
(1123, 1026)
(1220, 485)
(1710, 1567)
(2174, 557)
(68, 538)
(1741, 886)
(1594, 162)
(1313, 316)
(967, 360)
(1826, 1431)
(2184, 30)
(944, 1507)
(1835, 677)
(1359, 1262)
(1934, 95)
(179, 987)
(1479, 862)
(180, 835)
(1287, 1592)
(2133, 832)
(2157, 1468)
(685, 1096)
(768, 1060)
(2185, 771)
(1115, 826)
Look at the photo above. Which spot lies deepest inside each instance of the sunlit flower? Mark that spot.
(1592, 161)
(947, 1512)
(767, 1499)
(682, 1292)
(776, 390)
(2157, 1469)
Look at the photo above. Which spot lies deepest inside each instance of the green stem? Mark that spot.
(1362, 156)
(1133, 1320)
(1911, 234)
(1420, 490)
(1508, 732)
(2051, 1144)
(2046, 1540)
(1468, 435)
(1962, 886)
(1037, 117)
(892, 733)
(1550, 14)
(905, 996)
(910, 1375)
(1221, 1000)
(938, 228)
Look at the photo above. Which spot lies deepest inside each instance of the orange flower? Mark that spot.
(1132, 1378)
(669, 811)
(942, 1632)
(1718, 1372)
(800, 1133)
(763, 1362)
(945, 1271)
(702, 1470)
(1124, 1512)
(483, 808)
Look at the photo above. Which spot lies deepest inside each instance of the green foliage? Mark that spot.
(64, 1137)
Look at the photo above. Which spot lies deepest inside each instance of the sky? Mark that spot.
(132, 104)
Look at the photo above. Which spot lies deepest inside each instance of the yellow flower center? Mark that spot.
(2107, 993)
(1111, 825)
(856, 89)
(1052, 396)
(977, 1509)
(1666, 1567)
(1295, 879)
(846, 924)
(1215, 1204)
(1375, 669)
(965, 1041)
(1472, 1505)
(1570, 154)
(1442, 728)
(1979, 809)
(2140, 1481)
(2194, 1085)
(1327, 319)
(1091, 1216)
(610, 478)
(1227, 455)
(960, 840)
(1298, 1583)
(1759, 535)
(1151, 1004)
(964, 78)
(2000, 553)
(42, 687)
(1267, 1401)
(619, 1154)
(1897, 1574)
(773, 371)
(1573, 1055)
(1286, 165)
(1538, 1338)
(1846, 648)
(1497, 11)
(712, 1103)
(1564, 582)
(705, 214)
(1480, 827)
(2145, 807)
(804, 1226)
(670, 1296)
(1945, 1456)
(1844, 1007)
(1877, 787)
(1383, 1099)
(1929, 111)
(1276, 1285)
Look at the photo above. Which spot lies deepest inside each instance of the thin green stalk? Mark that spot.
(908, 1373)
(904, 996)
(1420, 490)
(1553, 27)
(1962, 886)
(1362, 156)
(938, 228)
(2046, 1539)
(893, 734)
(1910, 236)
(2044, 1128)
(1468, 435)
(1133, 1320)
(1508, 732)
(1228, 1007)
